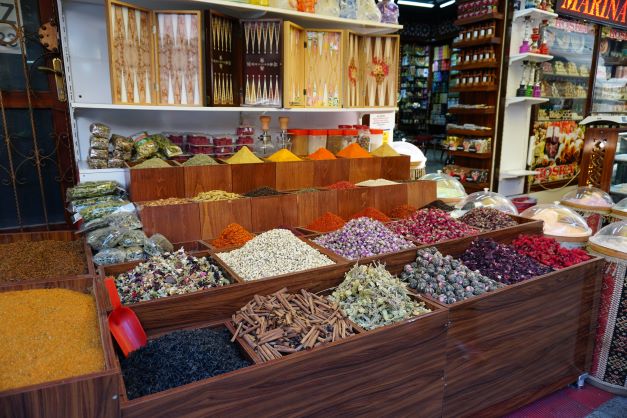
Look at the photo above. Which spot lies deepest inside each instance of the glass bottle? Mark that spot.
(264, 146)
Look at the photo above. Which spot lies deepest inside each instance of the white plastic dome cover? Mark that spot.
(415, 155)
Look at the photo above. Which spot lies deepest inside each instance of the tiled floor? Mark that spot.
(588, 402)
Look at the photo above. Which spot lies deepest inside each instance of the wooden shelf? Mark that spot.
(478, 42)
(472, 111)
(476, 155)
(534, 13)
(469, 132)
(525, 100)
(581, 77)
(476, 19)
(474, 66)
(473, 89)
(475, 186)
(529, 56)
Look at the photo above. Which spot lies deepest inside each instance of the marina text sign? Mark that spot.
(606, 12)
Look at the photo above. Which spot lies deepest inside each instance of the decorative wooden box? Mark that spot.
(262, 81)
(155, 57)
(312, 67)
(372, 69)
(223, 57)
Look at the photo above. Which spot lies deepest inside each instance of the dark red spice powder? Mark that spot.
(327, 223)
(342, 185)
(402, 211)
(548, 251)
(371, 213)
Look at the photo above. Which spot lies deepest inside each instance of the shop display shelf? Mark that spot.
(475, 187)
(529, 56)
(476, 155)
(464, 89)
(471, 111)
(470, 132)
(89, 395)
(534, 13)
(525, 100)
(475, 66)
(86, 107)
(478, 42)
(477, 19)
(555, 75)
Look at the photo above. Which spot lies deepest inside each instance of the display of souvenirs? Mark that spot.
(221, 33)
(262, 62)
(413, 105)
(389, 11)
(466, 174)
(556, 150)
(610, 85)
(476, 8)
(475, 32)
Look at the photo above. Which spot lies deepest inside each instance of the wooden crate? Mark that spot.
(223, 55)
(294, 175)
(351, 201)
(215, 216)
(205, 178)
(313, 205)
(327, 172)
(247, 177)
(421, 192)
(62, 235)
(89, 395)
(268, 212)
(389, 197)
(262, 82)
(178, 223)
(395, 168)
(156, 183)
(376, 361)
(362, 169)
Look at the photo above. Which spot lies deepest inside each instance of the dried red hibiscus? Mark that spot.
(548, 251)
(501, 262)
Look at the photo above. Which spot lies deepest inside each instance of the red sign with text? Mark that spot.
(607, 12)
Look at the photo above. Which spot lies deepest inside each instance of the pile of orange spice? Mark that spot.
(371, 213)
(402, 211)
(354, 150)
(231, 236)
(322, 154)
(327, 223)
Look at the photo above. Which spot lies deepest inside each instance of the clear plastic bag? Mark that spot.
(93, 189)
(121, 155)
(146, 147)
(368, 10)
(115, 163)
(110, 256)
(133, 238)
(122, 143)
(96, 237)
(348, 9)
(78, 205)
(389, 11)
(127, 220)
(113, 239)
(101, 209)
(100, 129)
(328, 8)
(97, 163)
(99, 142)
(158, 244)
(134, 254)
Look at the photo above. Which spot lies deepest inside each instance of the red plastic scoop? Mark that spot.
(123, 323)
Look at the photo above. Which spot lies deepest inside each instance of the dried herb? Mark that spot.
(215, 195)
(199, 160)
(487, 219)
(262, 191)
(438, 204)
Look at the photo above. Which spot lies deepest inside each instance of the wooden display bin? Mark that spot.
(362, 169)
(262, 82)
(223, 56)
(313, 205)
(395, 168)
(156, 183)
(178, 223)
(312, 67)
(55, 236)
(350, 201)
(542, 327)
(215, 216)
(421, 192)
(327, 172)
(247, 177)
(389, 197)
(268, 212)
(89, 395)
(207, 177)
(374, 361)
(293, 175)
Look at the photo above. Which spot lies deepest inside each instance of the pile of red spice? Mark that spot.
(327, 223)
(548, 251)
(402, 211)
(371, 213)
(231, 236)
(342, 185)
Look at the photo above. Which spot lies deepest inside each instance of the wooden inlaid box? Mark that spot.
(371, 68)
(312, 67)
(262, 83)
(156, 183)
(89, 395)
(155, 57)
(224, 59)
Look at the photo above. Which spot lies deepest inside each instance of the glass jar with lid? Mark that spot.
(335, 140)
(317, 140)
(561, 223)
(611, 240)
(299, 139)
(449, 189)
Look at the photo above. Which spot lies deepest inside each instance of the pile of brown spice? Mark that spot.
(282, 323)
(402, 211)
(47, 334)
(29, 260)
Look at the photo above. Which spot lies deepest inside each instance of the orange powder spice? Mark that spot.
(326, 223)
(354, 151)
(402, 211)
(371, 213)
(322, 154)
(232, 235)
(47, 334)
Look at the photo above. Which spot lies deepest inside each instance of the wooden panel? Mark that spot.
(247, 177)
(263, 78)
(313, 205)
(223, 57)
(380, 62)
(131, 54)
(272, 211)
(178, 223)
(294, 175)
(598, 156)
(395, 168)
(179, 58)
(387, 198)
(156, 183)
(421, 193)
(353, 200)
(90, 395)
(539, 328)
(294, 65)
(362, 169)
(353, 72)
(323, 68)
(215, 216)
(327, 172)
(207, 177)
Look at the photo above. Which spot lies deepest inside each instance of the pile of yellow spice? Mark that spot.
(47, 334)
